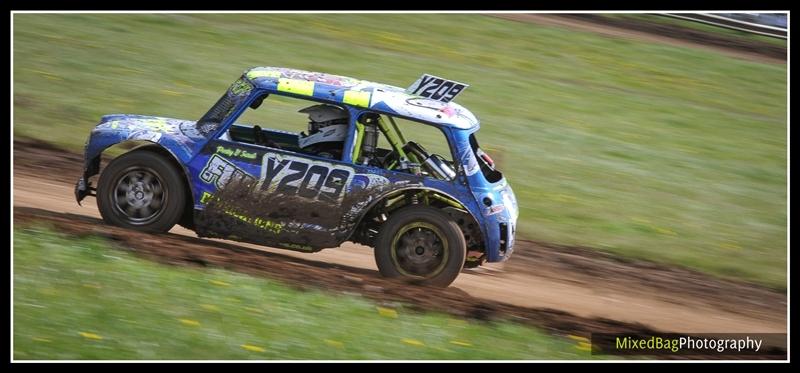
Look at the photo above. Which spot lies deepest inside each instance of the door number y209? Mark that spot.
(295, 176)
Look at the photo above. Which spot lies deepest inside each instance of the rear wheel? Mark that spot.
(420, 243)
(141, 190)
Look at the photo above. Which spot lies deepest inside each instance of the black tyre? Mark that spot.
(422, 244)
(141, 190)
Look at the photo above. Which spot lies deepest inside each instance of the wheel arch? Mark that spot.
(187, 218)
(372, 208)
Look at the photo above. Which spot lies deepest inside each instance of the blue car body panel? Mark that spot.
(282, 198)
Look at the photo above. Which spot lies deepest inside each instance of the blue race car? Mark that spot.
(357, 172)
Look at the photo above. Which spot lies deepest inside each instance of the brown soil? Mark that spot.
(567, 290)
(181, 250)
(659, 33)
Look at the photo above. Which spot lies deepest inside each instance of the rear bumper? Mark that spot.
(499, 243)
(506, 240)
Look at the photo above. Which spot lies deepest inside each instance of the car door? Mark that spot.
(269, 196)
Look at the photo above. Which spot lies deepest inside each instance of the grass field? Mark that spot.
(135, 309)
(672, 154)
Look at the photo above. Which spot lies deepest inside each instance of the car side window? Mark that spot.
(403, 145)
(293, 124)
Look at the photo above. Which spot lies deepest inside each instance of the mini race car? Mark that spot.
(360, 174)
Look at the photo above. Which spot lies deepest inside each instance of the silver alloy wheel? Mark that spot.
(139, 195)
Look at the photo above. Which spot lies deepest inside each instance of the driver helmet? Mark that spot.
(326, 123)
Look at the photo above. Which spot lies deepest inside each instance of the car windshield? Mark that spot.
(237, 93)
(486, 163)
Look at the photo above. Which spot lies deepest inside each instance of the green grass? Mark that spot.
(672, 154)
(80, 299)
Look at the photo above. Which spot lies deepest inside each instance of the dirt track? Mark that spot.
(568, 290)
(659, 33)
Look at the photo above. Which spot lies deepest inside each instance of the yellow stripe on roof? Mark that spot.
(357, 98)
(299, 87)
(252, 74)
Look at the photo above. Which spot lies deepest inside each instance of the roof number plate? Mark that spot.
(436, 88)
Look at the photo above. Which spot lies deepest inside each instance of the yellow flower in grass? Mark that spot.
(461, 343)
(412, 342)
(387, 312)
(666, 231)
(219, 283)
(583, 343)
(93, 336)
(189, 322)
(253, 348)
(333, 343)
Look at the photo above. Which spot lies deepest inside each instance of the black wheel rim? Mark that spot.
(419, 250)
(140, 195)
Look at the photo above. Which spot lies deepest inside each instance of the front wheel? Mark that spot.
(141, 190)
(422, 244)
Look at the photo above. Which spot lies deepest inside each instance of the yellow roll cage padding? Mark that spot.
(359, 141)
(393, 135)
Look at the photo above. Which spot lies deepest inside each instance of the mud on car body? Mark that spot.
(354, 177)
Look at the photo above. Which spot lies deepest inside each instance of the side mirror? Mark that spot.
(255, 104)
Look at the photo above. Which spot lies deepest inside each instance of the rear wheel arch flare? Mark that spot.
(370, 209)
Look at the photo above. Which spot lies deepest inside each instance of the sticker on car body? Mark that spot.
(289, 175)
(219, 172)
